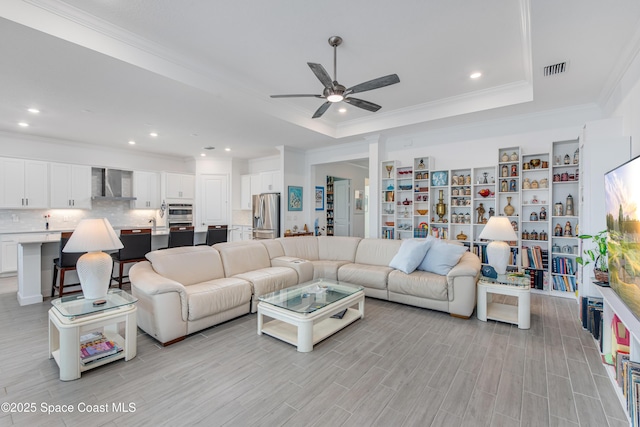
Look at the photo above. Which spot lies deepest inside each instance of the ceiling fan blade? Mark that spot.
(375, 83)
(301, 95)
(320, 111)
(321, 74)
(361, 103)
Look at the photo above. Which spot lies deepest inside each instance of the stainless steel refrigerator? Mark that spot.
(266, 215)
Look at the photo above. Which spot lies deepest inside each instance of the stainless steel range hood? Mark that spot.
(111, 184)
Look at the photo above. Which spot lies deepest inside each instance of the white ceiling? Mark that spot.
(200, 73)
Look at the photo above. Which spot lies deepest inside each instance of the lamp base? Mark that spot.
(94, 270)
(498, 255)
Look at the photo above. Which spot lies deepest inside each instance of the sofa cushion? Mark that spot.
(411, 254)
(369, 276)
(338, 248)
(274, 247)
(270, 279)
(305, 247)
(377, 251)
(187, 264)
(327, 269)
(442, 257)
(216, 296)
(240, 257)
(419, 283)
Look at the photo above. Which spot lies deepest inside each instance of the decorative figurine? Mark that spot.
(567, 230)
(514, 225)
(504, 186)
(543, 214)
(534, 184)
(514, 157)
(512, 186)
(505, 171)
(567, 159)
(557, 231)
(533, 216)
(481, 211)
(558, 209)
(491, 212)
(421, 164)
(526, 184)
(505, 157)
(576, 156)
(514, 170)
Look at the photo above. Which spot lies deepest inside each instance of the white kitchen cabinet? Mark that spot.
(241, 232)
(8, 254)
(70, 186)
(249, 185)
(23, 184)
(180, 186)
(146, 190)
(270, 182)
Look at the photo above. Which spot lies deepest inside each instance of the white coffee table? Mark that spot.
(302, 314)
(487, 309)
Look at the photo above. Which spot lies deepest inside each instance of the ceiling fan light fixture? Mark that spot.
(335, 97)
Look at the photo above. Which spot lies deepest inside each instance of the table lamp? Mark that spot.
(500, 231)
(94, 267)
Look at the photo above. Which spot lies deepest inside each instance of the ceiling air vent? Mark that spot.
(552, 70)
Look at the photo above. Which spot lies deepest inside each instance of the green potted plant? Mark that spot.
(597, 256)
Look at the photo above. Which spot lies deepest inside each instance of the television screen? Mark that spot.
(622, 193)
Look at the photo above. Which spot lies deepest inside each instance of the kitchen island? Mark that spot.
(35, 250)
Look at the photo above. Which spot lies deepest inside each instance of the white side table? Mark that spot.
(518, 315)
(71, 317)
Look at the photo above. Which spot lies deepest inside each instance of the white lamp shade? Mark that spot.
(93, 235)
(94, 268)
(498, 228)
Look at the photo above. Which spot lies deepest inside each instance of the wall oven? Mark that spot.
(180, 214)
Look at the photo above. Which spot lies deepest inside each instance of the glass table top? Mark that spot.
(76, 305)
(311, 296)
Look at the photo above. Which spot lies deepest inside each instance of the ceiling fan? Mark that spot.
(335, 92)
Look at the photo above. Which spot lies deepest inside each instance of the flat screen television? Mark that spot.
(622, 203)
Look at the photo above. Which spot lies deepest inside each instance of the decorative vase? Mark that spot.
(441, 208)
(509, 210)
(601, 276)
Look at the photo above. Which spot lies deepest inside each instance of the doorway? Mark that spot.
(342, 207)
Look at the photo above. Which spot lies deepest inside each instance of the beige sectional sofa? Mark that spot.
(183, 290)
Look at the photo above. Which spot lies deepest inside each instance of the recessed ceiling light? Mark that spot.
(203, 155)
(23, 124)
(342, 110)
(476, 75)
(132, 142)
(33, 110)
(227, 149)
(153, 134)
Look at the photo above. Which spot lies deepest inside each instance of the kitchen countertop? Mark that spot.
(160, 231)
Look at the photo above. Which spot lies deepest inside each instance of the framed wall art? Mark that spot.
(294, 198)
(319, 198)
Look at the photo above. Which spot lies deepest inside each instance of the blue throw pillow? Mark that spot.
(442, 257)
(411, 253)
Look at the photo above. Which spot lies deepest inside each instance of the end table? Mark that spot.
(72, 316)
(518, 315)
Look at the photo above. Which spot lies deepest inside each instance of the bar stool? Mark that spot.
(180, 236)
(65, 262)
(137, 243)
(216, 234)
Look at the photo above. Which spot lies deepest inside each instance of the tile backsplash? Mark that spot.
(118, 212)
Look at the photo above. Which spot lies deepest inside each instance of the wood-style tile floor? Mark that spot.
(400, 366)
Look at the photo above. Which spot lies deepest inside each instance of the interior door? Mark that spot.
(215, 200)
(342, 208)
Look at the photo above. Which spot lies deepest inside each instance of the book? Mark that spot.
(340, 314)
(98, 347)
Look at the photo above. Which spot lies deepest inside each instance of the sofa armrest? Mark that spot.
(144, 280)
(303, 267)
(461, 285)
